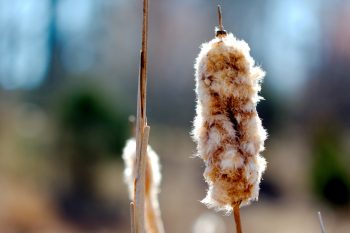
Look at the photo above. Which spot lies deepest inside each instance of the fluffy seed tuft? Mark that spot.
(227, 128)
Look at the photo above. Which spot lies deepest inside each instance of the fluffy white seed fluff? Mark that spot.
(129, 157)
(227, 128)
(152, 184)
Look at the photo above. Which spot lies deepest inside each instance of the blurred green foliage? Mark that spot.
(271, 109)
(92, 125)
(329, 174)
(91, 130)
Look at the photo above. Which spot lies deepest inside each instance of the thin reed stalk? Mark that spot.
(142, 131)
(237, 217)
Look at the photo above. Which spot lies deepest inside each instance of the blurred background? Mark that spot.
(68, 82)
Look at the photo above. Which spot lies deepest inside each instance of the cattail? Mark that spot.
(227, 128)
(152, 182)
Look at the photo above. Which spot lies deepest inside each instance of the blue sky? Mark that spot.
(288, 35)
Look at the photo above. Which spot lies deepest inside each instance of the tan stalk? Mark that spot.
(237, 218)
(132, 214)
(142, 131)
(221, 28)
(141, 151)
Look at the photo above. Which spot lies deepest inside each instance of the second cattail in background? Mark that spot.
(152, 183)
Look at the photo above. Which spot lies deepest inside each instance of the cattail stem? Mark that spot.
(140, 182)
(144, 60)
(132, 214)
(237, 218)
(221, 28)
(220, 32)
(142, 130)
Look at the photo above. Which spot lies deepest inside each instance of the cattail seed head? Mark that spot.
(227, 128)
(153, 176)
(152, 183)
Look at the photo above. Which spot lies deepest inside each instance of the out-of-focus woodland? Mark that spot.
(68, 82)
